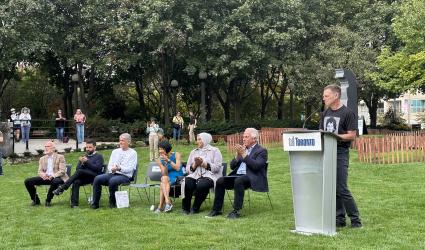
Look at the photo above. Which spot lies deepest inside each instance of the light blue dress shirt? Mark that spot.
(242, 167)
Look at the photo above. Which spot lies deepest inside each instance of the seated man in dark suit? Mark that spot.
(248, 171)
(89, 166)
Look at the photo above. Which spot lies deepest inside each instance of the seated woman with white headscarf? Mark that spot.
(203, 168)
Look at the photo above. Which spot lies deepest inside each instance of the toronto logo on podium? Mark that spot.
(305, 142)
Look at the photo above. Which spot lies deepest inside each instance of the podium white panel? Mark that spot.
(313, 176)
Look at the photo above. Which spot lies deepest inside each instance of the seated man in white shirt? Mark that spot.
(51, 171)
(121, 166)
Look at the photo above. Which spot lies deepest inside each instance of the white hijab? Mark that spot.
(206, 139)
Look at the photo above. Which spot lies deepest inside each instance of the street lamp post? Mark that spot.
(202, 76)
(75, 79)
(291, 86)
(174, 84)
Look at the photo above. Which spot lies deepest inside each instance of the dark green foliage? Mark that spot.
(224, 128)
(27, 154)
(394, 121)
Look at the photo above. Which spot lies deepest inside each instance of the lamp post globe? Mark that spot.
(174, 84)
(202, 76)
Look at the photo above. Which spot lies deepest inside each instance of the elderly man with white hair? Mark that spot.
(204, 168)
(121, 166)
(51, 171)
(248, 171)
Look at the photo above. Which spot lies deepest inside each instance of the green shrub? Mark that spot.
(226, 128)
(27, 154)
(393, 121)
(220, 142)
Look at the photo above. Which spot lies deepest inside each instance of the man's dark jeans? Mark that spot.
(345, 202)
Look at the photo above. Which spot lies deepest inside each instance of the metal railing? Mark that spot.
(44, 129)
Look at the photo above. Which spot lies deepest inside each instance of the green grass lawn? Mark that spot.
(390, 199)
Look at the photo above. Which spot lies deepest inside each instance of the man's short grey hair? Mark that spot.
(126, 137)
(336, 89)
(253, 132)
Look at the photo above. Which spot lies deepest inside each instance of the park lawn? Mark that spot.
(390, 199)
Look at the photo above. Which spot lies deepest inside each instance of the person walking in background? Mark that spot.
(177, 126)
(340, 120)
(25, 119)
(80, 120)
(170, 165)
(59, 125)
(192, 126)
(152, 130)
(14, 118)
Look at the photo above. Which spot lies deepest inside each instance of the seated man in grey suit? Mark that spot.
(248, 171)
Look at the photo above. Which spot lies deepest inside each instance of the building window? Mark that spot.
(396, 106)
(417, 106)
(380, 109)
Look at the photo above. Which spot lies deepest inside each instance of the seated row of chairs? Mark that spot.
(152, 179)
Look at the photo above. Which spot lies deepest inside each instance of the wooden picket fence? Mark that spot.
(269, 137)
(391, 148)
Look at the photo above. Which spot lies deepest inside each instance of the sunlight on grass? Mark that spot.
(390, 199)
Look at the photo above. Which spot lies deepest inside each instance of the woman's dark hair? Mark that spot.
(166, 146)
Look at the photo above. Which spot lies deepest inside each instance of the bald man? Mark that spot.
(51, 171)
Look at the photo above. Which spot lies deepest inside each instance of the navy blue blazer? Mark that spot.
(256, 168)
(94, 163)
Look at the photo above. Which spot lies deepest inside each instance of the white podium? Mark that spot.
(312, 157)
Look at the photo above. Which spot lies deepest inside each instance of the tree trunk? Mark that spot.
(3, 82)
(91, 90)
(81, 89)
(263, 100)
(165, 88)
(225, 104)
(291, 107)
(141, 99)
(68, 90)
(208, 103)
(280, 103)
(372, 105)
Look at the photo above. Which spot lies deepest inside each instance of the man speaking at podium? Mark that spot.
(339, 119)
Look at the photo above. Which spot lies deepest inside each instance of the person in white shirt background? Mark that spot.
(25, 119)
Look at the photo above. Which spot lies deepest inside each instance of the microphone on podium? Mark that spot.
(312, 113)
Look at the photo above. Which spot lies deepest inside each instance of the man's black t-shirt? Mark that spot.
(339, 122)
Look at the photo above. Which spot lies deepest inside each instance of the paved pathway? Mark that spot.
(35, 144)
